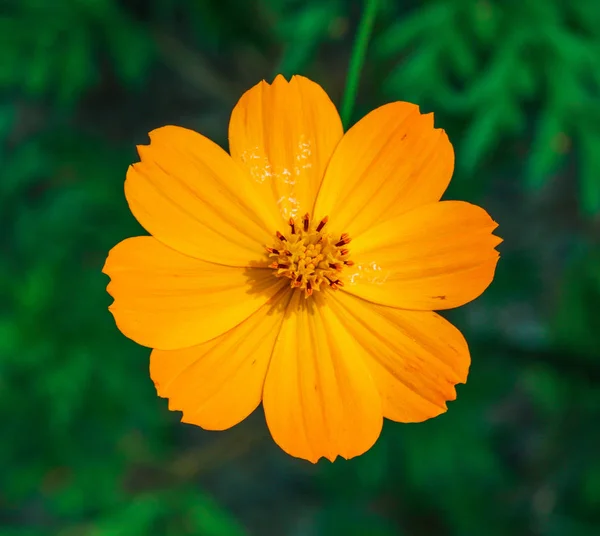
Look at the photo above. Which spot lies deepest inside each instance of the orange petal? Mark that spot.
(166, 300)
(219, 383)
(189, 194)
(284, 135)
(319, 397)
(415, 357)
(391, 161)
(437, 256)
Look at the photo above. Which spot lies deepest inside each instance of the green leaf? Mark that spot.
(75, 66)
(24, 165)
(591, 485)
(35, 290)
(576, 323)
(7, 118)
(482, 136)
(303, 32)
(5, 531)
(416, 78)
(462, 57)
(39, 74)
(525, 81)
(419, 25)
(209, 519)
(484, 19)
(131, 48)
(138, 516)
(589, 156)
(546, 386)
(546, 155)
(349, 519)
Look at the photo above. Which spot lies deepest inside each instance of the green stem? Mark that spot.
(359, 52)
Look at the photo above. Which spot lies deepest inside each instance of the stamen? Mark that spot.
(322, 224)
(344, 239)
(336, 284)
(311, 258)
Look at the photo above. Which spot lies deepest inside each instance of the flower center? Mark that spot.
(310, 256)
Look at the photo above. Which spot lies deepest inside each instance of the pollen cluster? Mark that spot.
(310, 256)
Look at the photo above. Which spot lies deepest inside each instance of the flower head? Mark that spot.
(302, 269)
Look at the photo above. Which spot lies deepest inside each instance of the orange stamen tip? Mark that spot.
(322, 224)
(310, 259)
(306, 218)
(345, 238)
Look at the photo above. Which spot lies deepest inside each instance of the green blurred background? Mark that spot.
(87, 448)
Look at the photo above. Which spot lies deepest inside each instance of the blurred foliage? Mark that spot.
(520, 69)
(88, 448)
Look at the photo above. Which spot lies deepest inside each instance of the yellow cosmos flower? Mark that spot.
(302, 269)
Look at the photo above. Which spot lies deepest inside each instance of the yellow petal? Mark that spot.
(284, 135)
(219, 383)
(415, 357)
(437, 256)
(319, 397)
(166, 300)
(189, 194)
(391, 161)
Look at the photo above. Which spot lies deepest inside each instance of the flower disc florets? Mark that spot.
(310, 256)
